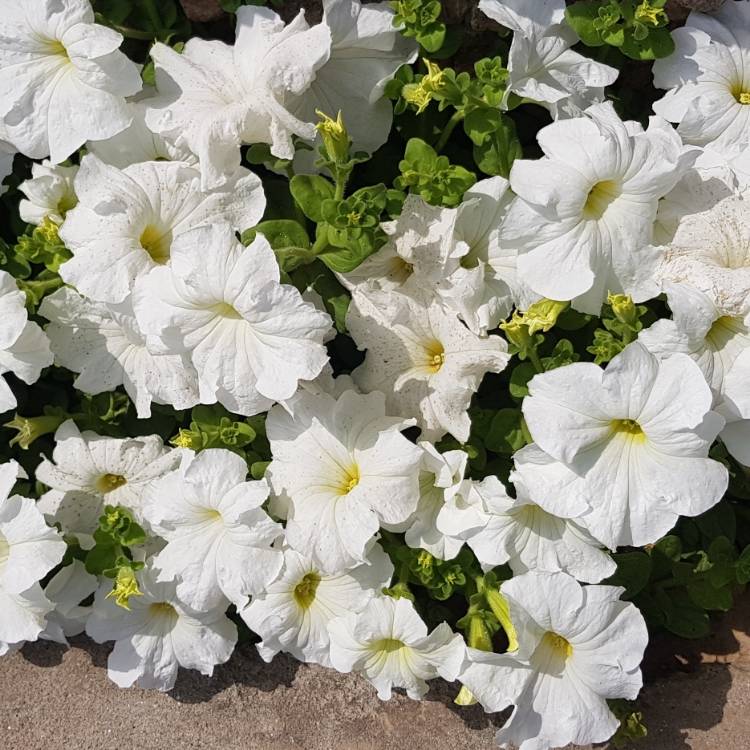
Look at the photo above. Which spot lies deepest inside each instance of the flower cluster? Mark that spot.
(480, 413)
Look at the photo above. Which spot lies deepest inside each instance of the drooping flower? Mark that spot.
(388, 643)
(578, 646)
(62, 78)
(541, 64)
(29, 549)
(103, 343)
(342, 467)
(89, 471)
(49, 193)
(158, 634)
(426, 361)
(440, 478)
(218, 536)
(24, 349)
(518, 531)
(710, 251)
(127, 220)
(293, 612)
(699, 329)
(138, 143)
(250, 338)
(708, 80)
(214, 97)
(366, 51)
(585, 211)
(623, 450)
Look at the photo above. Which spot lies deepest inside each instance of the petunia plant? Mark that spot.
(405, 344)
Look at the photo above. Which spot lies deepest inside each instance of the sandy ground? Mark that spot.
(698, 698)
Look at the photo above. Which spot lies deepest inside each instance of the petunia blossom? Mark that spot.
(49, 193)
(63, 79)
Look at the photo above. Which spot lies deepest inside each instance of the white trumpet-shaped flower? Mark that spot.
(584, 215)
(127, 220)
(214, 97)
(89, 471)
(62, 77)
(218, 536)
(67, 590)
(388, 643)
(103, 343)
(158, 634)
(342, 467)
(501, 529)
(623, 450)
(24, 349)
(426, 361)
(293, 612)
(578, 646)
(541, 64)
(49, 193)
(250, 338)
(709, 80)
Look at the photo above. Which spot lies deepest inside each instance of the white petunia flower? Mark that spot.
(66, 591)
(342, 468)
(29, 549)
(710, 251)
(250, 338)
(213, 97)
(699, 329)
(541, 64)
(440, 478)
(127, 220)
(138, 143)
(630, 442)
(293, 613)
(24, 349)
(103, 343)
(585, 211)
(7, 154)
(388, 643)
(578, 646)
(709, 80)
(49, 193)
(89, 471)
(159, 634)
(62, 78)
(218, 536)
(501, 529)
(454, 254)
(426, 361)
(366, 51)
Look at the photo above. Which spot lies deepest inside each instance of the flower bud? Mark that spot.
(335, 138)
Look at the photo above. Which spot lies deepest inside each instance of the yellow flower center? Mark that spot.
(162, 609)
(109, 482)
(157, 243)
(599, 198)
(388, 645)
(304, 591)
(435, 354)
(630, 428)
(723, 330)
(744, 97)
(560, 645)
(225, 310)
(349, 480)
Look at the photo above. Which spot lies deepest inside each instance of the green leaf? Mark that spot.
(288, 239)
(519, 380)
(335, 298)
(681, 615)
(742, 568)
(658, 43)
(633, 572)
(580, 17)
(709, 597)
(309, 191)
(670, 546)
(500, 148)
(505, 434)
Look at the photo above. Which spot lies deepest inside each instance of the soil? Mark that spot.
(697, 698)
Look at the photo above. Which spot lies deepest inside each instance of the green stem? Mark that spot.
(534, 358)
(450, 126)
(153, 15)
